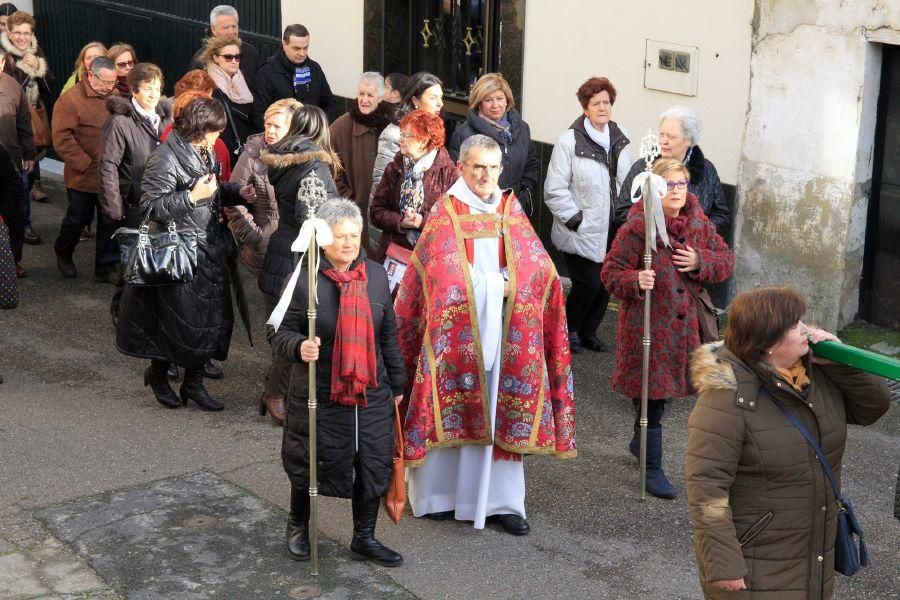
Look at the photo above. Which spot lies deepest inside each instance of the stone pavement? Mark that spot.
(103, 494)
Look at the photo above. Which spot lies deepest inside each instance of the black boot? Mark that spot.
(657, 484)
(155, 377)
(192, 389)
(364, 546)
(297, 532)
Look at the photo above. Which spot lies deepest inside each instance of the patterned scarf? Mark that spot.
(353, 358)
(796, 376)
(502, 127)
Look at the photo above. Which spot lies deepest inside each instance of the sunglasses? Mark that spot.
(231, 57)
(125, 63)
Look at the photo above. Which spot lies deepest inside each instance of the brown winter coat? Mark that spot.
(675, 330)
(385, 209)
(15, 121)
(125, 146)
(744, 460)
(254, 224)
(354, 138)
(78, 120)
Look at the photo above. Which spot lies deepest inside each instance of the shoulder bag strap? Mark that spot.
(809, 439)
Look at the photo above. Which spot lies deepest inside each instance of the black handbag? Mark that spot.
(848, 557)
(164, 258)
(9, 287)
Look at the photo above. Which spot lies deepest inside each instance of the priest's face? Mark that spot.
(481, 170)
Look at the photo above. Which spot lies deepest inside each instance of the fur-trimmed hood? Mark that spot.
(711, 368)
(298, 154)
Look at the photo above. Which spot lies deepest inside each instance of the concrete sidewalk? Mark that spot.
(82, 441)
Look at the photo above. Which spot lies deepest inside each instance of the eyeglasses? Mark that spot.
(100, 81)
(125, 63)
(680, 184)
(231, 57)
(480, 169)
(407, 136)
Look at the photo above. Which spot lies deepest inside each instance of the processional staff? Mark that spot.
(314, 233)
(651, 188)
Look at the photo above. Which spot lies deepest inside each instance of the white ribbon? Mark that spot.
(657, 191)
(318, 230)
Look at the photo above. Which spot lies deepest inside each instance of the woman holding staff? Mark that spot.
(359, 375)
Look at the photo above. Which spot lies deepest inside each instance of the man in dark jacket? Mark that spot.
(292, 74)
(18, 140)
(223, 20)
(78, 120)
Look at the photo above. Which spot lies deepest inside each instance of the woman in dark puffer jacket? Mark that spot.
(189, 323)
(304, 150)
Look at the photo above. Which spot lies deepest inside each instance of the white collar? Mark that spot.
(461, 191)
(147, 114)
(425, 162)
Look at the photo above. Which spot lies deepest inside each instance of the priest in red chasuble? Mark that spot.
(482, 327)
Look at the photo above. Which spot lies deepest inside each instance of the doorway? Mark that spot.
(880, 289)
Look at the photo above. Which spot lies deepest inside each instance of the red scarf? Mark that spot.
(353, 358)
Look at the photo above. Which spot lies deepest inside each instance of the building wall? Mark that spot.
(336, 38)
(608, 38)
(806, 158)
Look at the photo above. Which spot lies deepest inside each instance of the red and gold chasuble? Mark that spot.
(446, 394)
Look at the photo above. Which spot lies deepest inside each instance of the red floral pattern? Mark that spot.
(447, 398)
(674, 328)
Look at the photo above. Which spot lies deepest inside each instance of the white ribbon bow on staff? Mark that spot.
(657, 191)
(323, 238)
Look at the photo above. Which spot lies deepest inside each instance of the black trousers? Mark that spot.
(80, 214)
(588, 299)
(13, 212)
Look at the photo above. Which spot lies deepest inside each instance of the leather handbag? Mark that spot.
(707, 313)
(9, 287)
(849, 554)
(40, 126)
(395, 499)
(165, 258)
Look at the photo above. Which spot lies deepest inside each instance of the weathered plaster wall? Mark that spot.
(806, 159)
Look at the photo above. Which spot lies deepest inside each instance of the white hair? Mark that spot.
(335, 210)
(222, 10)
(373, 77)
(478, 140)
(689, 120)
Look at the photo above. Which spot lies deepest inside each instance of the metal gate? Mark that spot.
(164, 32)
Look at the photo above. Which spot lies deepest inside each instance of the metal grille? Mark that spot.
(164, 32)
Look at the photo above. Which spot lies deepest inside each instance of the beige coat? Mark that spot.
(745, 460)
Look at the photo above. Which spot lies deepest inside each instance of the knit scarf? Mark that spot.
(502, 127)
(235, 87)
(353, 358)
(796, 376)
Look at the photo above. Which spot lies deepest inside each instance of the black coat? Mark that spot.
(705, 185)
(337, 429)
(275, 81)
(521, 168)
(185, 323)
(238, 127)
(286, 170)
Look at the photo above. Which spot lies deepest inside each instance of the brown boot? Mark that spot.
(37, 193)
(274, 405)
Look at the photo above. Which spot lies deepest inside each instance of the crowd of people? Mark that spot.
(435, 297)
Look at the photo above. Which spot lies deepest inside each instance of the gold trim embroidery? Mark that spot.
(429, 351)
(539, 412)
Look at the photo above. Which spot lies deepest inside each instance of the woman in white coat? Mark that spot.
(587, 167)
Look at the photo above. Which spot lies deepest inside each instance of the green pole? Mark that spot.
(864, 360)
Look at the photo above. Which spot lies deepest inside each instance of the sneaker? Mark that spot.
(31, 237)
(37, 193)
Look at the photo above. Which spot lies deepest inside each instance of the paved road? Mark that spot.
(77, 422)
